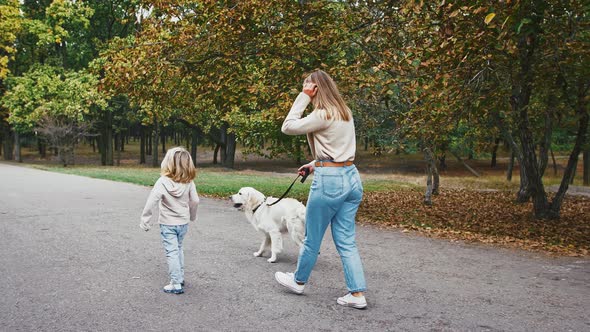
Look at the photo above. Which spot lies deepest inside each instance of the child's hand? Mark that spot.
(144, 226)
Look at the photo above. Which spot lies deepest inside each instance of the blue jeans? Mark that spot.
(172, 237)
(334, 198)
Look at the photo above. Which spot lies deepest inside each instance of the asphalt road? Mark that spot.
(72, 258)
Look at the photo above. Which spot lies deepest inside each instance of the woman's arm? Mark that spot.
(295, 125)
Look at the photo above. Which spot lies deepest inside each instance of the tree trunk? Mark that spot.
(230, 150)
(148, 146)
(510, 167)
(530, 171)
(223, 138)
(436, 178)
(428, 194)
(101, 148)
(569, 172)
(155, 137)
(554, 163)
(587, 166)
(522, 87)
(42, 147)
(141, 144)
(194, 142)
(215, 152)
(474, 172)
(8, 145)
(108, 139)
(524, 194)
(118, 147)
(572, 178)
(122, 142)
(163, 141)
(17, 148)
(495, 152)
(116, 142)
(428, 157)
(62, 157)
(442, 162)
(545, 145)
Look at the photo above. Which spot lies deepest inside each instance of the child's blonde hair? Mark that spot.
(178, 165)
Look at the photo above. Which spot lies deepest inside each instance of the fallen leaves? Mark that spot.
(485, 217)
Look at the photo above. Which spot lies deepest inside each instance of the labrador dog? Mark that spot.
(287, 216)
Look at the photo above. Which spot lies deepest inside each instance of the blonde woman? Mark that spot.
(336, 190)
(176, 195)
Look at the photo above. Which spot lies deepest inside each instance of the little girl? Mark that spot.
(177, 197)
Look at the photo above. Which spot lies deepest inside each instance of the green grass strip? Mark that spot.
(215, 182)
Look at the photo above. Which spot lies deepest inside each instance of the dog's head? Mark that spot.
(247, 198)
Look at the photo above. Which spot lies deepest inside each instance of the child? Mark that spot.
(177, 197)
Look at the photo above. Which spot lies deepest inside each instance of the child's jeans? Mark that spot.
(172, 237)
(334, 198)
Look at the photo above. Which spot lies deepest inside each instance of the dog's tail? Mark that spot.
(296, 225)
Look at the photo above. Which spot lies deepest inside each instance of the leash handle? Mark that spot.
(289, 189)
(304, 177)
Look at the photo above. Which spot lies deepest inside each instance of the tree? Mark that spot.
(231, 61)
(10, 26)
(54, 101)
(63, 133)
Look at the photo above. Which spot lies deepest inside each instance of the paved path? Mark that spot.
(72, 258)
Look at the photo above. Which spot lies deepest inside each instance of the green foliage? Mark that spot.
(47, 91)
(10, 26)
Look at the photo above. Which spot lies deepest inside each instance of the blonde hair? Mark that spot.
(328, 97)
(178, 165)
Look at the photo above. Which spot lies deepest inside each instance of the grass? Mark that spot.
(217, 182)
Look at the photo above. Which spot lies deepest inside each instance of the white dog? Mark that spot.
(288, 215)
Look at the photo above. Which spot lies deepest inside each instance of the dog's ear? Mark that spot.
(251, 200)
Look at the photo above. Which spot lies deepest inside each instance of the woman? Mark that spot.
(336, 190)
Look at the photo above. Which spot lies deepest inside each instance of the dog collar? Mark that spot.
(259, 205)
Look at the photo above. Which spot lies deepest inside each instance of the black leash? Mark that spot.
(303, 178)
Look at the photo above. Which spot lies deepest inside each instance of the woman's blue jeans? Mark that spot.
(172, 237)
(334, 198)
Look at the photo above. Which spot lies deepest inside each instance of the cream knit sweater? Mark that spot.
(328, 139)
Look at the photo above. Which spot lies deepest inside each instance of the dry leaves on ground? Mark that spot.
(488, 217)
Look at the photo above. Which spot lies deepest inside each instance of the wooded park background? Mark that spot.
(443, 79)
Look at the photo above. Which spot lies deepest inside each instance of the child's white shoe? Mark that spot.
(349, 300)
(173, 288)
(288, 280)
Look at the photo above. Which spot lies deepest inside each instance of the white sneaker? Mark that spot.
(173, 288)
(288, 280)
(352, 301)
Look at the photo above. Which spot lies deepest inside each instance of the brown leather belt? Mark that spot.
(333, 164)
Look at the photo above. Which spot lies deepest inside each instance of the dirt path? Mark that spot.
(72, 258)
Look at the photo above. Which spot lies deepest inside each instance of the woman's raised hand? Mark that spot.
(310, 89)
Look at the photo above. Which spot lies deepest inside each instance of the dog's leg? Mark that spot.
(265, 243)
(276, 245)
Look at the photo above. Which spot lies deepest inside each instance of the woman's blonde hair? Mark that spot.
(328, 97)
(178, 165)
